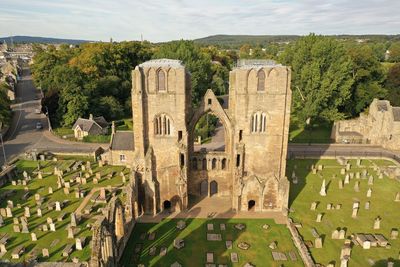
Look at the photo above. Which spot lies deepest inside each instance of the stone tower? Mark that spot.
(249, 172)
(259, 105)
(160, 99)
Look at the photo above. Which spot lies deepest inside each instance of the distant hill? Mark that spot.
(239, 40)
(42, 40)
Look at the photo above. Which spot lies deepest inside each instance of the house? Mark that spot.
(91, 126)
(121, 150)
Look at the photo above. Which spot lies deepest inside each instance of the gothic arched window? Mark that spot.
(258, 122)
(160, 80)
(261, 80)
(163, 125)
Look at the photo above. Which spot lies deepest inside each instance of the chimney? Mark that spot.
(91, 117)
(113, 127)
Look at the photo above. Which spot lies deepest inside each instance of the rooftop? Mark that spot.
(122, 140)
(163, 62)
(255, 63)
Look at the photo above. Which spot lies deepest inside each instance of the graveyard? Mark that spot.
(216, 242)
(48, 207)
(346, 209)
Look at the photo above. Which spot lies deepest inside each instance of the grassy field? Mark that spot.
(196, 244)
(41, 187)
(318, 133)
(382, 204)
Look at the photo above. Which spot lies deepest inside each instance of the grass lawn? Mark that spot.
(45, 239)
(196, 244)
(60, 132)
(382, 204)
(124, 125)
(97, 139)
(319, 133)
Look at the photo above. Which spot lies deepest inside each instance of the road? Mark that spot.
(23, 135)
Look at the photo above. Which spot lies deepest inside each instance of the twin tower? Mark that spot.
(249, 174)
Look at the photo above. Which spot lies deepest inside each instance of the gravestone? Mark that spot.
(80, 243)
(342, 171)
(10, 204)
(222, 227)
(163, 251)
(210, 257)
(228, 244)
(319, 217)
(66, 190)
(49, 220)
(58, 206)
(394, 234)
(45, 228)
(354, 214)
(397, 197)
(25, 229)
(52, 227)
(357, 186)
(70, 233)
(39, 212)
(16, 229)
(322, 192)
(338, 206)
(27, 212)
(50, 190)
(356, 205)
(371, 180)
(329, 206)
(358, 176)
(15, 220)
(73, 220)
(377, 223)
(340, 184)
(45, 253)
(347, 179)
(369, 192)
(1, 220)
(335, 234)
(33, 237)
(3, 212)
(9, 212)
(210, 227)
(318, 242)
(367, 205)
(234, 257)
(342, 234)
(313, 205)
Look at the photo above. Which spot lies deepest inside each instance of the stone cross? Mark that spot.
(322, 192)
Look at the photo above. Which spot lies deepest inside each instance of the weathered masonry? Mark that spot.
(251, 169)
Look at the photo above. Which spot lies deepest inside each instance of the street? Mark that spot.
(23, 135)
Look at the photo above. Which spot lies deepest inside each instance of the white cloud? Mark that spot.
(162, 20)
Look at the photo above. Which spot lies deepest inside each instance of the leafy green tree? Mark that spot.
(368, 75)
(394, 50)
(321, 78)
(196, 61)
(393, 84)
(110, 107)
(74, 104)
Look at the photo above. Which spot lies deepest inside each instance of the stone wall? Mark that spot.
(380, 126)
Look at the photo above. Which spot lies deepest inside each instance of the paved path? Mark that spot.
(23, 135)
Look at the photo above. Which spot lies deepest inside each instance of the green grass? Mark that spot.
(382, 204)
(318, 133)
(126, 125)
(97, 139)
(41, 187)
(63, 132)
(196, 244)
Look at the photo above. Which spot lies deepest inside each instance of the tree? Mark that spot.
(368, 75)
(197, 62)
(321, 78)
(394, 50)
(74, 104)
(110, 108)
(393, 84)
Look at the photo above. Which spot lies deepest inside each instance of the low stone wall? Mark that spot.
(301, 247)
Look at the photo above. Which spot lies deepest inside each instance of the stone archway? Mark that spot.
(213, 188)
(204, 188)
(251, 205)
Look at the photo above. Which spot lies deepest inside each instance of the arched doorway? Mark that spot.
(204, 188)
(167, 205)
(213, 188)
(251, 205)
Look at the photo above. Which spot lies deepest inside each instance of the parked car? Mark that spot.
(39, 126)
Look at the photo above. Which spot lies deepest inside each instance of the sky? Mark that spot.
(164, 20)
